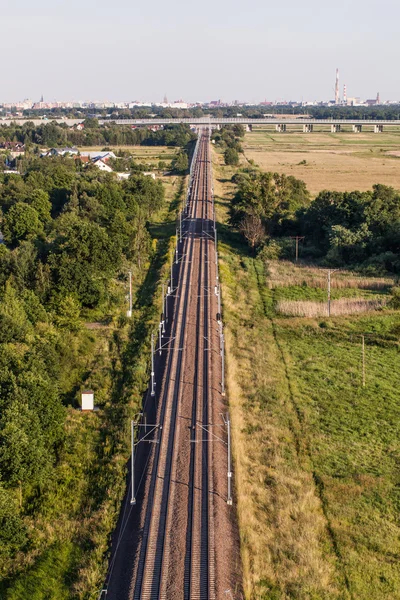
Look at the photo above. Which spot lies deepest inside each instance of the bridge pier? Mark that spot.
(308, 128)
(378, 128)
(335, 128)
(357, 128)
(280, 127)
(249, 127)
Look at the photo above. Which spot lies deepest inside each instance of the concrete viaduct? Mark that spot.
(281, 125)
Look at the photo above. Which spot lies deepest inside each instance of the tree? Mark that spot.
(231, 157)
(39, 200)
(275, 198)
(13, 534)
(181, 163)
(83, 258)
(21, 222)
(252, 229)
(67, 312)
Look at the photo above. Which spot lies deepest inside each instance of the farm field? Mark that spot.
(339, 161)
(316, 453)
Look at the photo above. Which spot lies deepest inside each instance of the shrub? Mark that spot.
(231, 157)
(395, 300)
(271, 251)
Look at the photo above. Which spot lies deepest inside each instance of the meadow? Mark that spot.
(337, 161)
(316, 453)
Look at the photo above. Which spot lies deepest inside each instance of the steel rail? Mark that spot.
(148, 578)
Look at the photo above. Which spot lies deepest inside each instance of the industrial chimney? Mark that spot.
(345, 95)
(337, 95)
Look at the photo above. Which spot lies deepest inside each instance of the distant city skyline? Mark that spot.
(79, 51)
(340, 99)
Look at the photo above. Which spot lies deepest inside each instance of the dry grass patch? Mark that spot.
(285, 274)
(343, 306)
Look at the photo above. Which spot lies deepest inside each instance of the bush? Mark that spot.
(231, 157)
(181, 163)
(271, 251)
(395, 300)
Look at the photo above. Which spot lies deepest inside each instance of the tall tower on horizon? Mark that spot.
(337, 94)
(344, 94)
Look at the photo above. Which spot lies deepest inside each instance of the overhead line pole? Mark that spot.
(172, 272)
(330, 271)
(153, 383)
(228, 424)
(129, 312)
(133, 497)
(297, 238)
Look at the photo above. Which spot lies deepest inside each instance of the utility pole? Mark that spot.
(133, 497)
(363, 359)
(223, 364)
(176, 247)
(329, 293)
(164, 304)
(330, 271)
(129, 311)
(228, 424)
(153, 383)
(297, 238)
(215, 245)
(172, 273)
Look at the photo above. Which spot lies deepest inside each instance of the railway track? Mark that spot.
(179, 514)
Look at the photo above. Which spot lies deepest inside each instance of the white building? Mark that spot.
(87, 400)
(104, 156)
(102, 165)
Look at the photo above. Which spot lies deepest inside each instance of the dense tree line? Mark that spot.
(68, 236)
(353, 228)
(390, 112)
(381, 112)
(51, 134)
(272, 197)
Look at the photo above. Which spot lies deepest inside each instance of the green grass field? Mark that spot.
(316, 454)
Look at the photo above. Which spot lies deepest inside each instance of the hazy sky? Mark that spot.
(228, 49)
